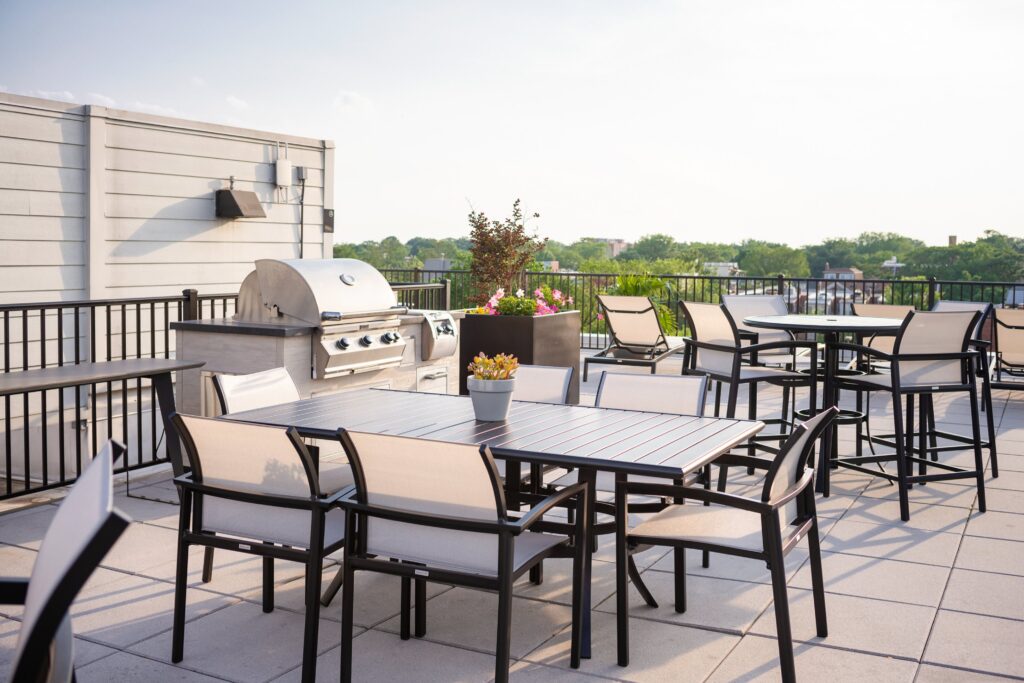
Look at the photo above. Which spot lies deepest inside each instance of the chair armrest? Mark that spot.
(703, 495)
(13, 590)
(537, 512)
(767, 346)
(794, 490)
(428, 519)
(748, 335)
(1008, 326)
(866, 350)
(714, 347)
(744, 460)
(185, 482)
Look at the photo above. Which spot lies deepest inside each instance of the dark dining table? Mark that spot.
(831, 327)
(588, 439)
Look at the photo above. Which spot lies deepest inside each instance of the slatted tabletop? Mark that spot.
(578, 436)
(71, 375)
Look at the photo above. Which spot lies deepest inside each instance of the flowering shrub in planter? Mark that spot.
(545, 301)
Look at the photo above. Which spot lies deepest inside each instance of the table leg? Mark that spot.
(829, 399)
(588, 476)
(165, 395)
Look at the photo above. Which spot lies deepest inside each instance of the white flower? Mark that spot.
(519, 293)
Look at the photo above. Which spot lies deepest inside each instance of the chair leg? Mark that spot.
(208, 564)
(718, 398)
(752, 415)
(908, 431)
(901, 464)
(333, 588)
(641, 587)
(781, 600)
(730, 410)
(576, 637)
(180, 584)
(986, 395)
(783, 426)
(922, 434)
(268, 585)
(623, 563)
(979, 463)
(347, 597)
(679, 567)
(421, 608)
(314, 578)
(504, 645)
(817, 578)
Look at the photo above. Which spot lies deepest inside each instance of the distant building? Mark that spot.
(843, 273)
(613, 245)
(551, 266)
(722, 268)
(437, 264)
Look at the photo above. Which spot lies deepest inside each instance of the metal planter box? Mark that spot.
(538, 340)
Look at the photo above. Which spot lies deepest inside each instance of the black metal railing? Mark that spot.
(803, 295)
(50, 435)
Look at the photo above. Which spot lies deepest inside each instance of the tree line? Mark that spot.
(993, 256)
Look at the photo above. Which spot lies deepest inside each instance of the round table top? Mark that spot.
(824, 323)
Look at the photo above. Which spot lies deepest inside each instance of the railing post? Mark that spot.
(780, 283)
(931, 292)
(190, 304)
(446, 293)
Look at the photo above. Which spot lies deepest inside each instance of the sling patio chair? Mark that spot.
(1009, 340)
(636, 337)
(542, 384)
(254, 489)
(433, 511)
(932, 354)
(84, 528)
(882, 342)
(238, 393)
(715, 350)
(766, 530)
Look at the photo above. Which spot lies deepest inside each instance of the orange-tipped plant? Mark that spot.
(501, 366)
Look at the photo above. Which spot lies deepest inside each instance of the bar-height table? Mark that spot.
(159, 370)
(830, 326)
(589, 439)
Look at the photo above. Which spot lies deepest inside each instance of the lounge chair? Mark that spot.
(636, 337)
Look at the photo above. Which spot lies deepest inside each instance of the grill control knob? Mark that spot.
(343, 343)
(389, 337)
(366, 340)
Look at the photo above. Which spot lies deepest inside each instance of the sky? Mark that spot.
(710, 120)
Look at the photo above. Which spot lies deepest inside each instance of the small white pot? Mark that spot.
(492, 398)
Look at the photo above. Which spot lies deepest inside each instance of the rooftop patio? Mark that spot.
(938, 598)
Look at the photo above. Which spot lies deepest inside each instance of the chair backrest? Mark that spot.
(712, 324)
(247, 457)
(934, 333)
(542, 384)
(789, 465)
(886, 342)
(1010, 335)
(632, 320)
(741, 306)
(432, 478)
(84, 528)
(681, 394)
(895, 311)
(982, 307)
(238, 393)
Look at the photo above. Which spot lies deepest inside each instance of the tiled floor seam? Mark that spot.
(970, 670)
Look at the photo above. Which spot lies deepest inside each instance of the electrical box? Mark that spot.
(284, 173)
(328, 220)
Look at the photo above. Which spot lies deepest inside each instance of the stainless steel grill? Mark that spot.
(350, 305)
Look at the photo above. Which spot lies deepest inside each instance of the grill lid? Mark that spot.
(316, 291)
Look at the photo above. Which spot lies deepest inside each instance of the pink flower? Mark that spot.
(499, 293)
(557, 294)
(569, 301)
(539, 293)
(600, 316)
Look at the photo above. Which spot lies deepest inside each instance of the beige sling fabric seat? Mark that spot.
(84, 528)
(435, 511)
(882, 342)
(766, 530)
(635, 335)
(1009, 341)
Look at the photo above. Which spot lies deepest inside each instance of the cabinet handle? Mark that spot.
(435, 375)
